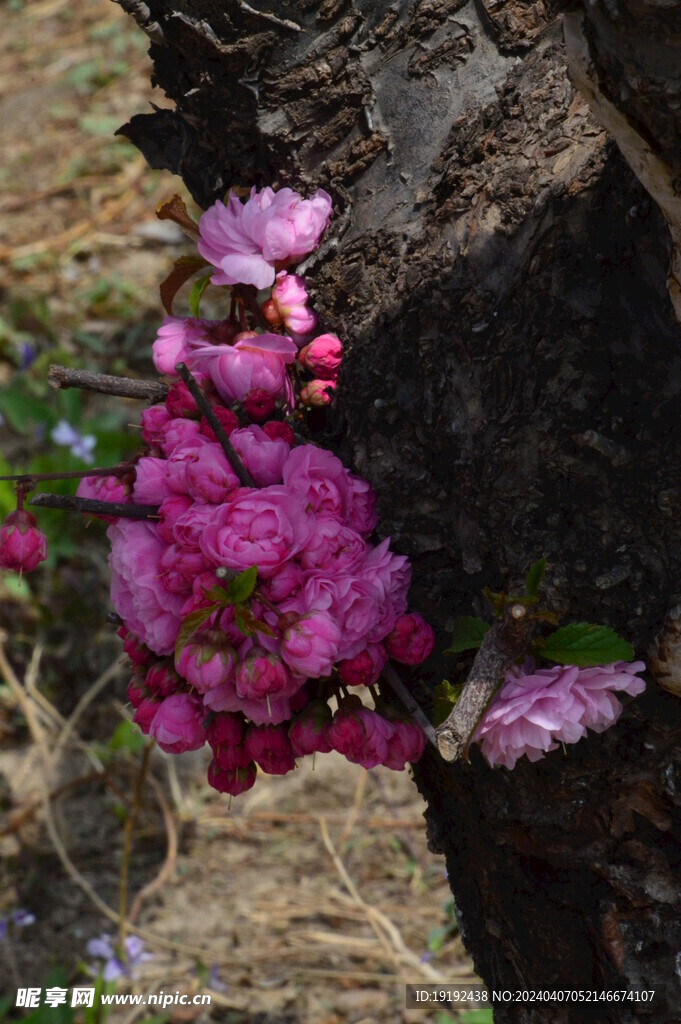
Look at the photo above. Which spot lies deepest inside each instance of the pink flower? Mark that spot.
(290, 298)
(233, 782)
(391, 574)
(263, 457)
(259, 405)
(176, 339)
(189, 525)
(365, 668)
(151, 484)
(310, 646)
(23, 546)
(361, 512)
(137, 652)
(263, 528)
(317, 393)
(210, 477)
(319, 477)
(270, 748)
(177, 432)
(275, 429)
(179, 567)
(225, 731)
(309, 731)
(171, 509)
(162, 679)
(228, 419)
(206, 662)
(406, 744)
(178, 462)
(411, 641)
(333, 548)
(352, 602)
(261, 712)
(284, 584)
(245, 241)
(137, 592)
(254, 362)
(263, 675)
(177, 725)
(105, 488)
(179, 402)
(536, 709)
(137, 691)
(322, 357)
(153, 420)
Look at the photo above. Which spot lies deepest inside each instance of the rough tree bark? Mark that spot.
(512, 389)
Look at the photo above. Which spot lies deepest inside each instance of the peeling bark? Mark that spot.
(511, 388)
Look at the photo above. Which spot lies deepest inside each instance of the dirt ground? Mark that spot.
(313, 899)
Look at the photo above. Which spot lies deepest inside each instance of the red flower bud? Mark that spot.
(22, 545)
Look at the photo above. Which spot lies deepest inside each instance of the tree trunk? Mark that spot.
(511, 389)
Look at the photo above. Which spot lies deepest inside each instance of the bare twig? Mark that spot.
(400, 690)
(128, 832)
(30, 479)
(505, 642)
(206, 410)
(125, 387)
(72, 503)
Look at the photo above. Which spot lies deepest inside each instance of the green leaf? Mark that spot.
(190, 624)
(242, 586)
(584, 643)
(248, 624)
(127, 737)
(198, 288)
(445, 696)
(468, 634)
(479, 1016)
(534, 578)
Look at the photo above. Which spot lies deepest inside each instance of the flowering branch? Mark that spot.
(506, 641)
(65, 377)
(218, 429)
(72, 503)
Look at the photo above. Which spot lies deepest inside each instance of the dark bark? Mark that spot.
(511, 388)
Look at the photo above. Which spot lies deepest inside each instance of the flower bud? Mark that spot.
(177, 725)
(207, 662)
(136, 651)
(317, 393)
(411, 641)
(228, 419)
(163, 680)
(270, 311)
(289, 295)
(309, 731)
(179, 402)
(234, 782)
(145, 713)
(153, 420)
(137, 691)
(258, 405)
(275, 429)
(22, 545)
(322, 357)
(263, 675)
(365, 668)
(270, 748)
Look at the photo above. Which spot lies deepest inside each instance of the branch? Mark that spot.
(503, 644)
(126, 387)
(218, 429)
(71, 503)
(400, 690)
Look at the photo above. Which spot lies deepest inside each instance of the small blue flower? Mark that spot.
(19, 919)
(116, 966)
(81, 445)
(27, 354)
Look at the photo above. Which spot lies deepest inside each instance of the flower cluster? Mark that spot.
(537, 709)
(253, 679)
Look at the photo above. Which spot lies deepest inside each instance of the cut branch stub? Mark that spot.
(502, 645)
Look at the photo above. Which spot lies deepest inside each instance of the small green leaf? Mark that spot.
(468, 634)
(248, 624)
(497, 599)
(584, 643)
(242, 586)
(127, 737)
(190, 624)
(534, 578)
(198, 288)
(445, 696)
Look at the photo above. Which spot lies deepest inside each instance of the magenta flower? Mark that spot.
(536, 709)
(210, 477)
(105, 488)
(259, 405)
(258, 361)
(361, 512)
(137, 591)
(260, 712)
(145, 712)
(309, 731)
(365, 668)
(162, 679)
(360, 734)
(225, 731)
(177, 725)
(22, 545)
(179, 567)
(310, 645)
(286, 583)
(411, 641)
(154, 419)
(177, 432)
(406, 744)
(322, 357)
(188, 527)
(207, 662)
(245, 241)
(270, 748)
(170, 511)
(227, 418)
(263, 456)
(289, 295)
(261, 675)
(151, 485)
(176, 340)
(333, 548)
(320, 478)
(275, 429)
(352, 602)
(262, 527)
(234, 782)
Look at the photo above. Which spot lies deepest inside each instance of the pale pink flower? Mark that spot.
(137, 591)
(290, 298)
(536, 709)
(245, 241)
(176, 340)
(254, 362)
